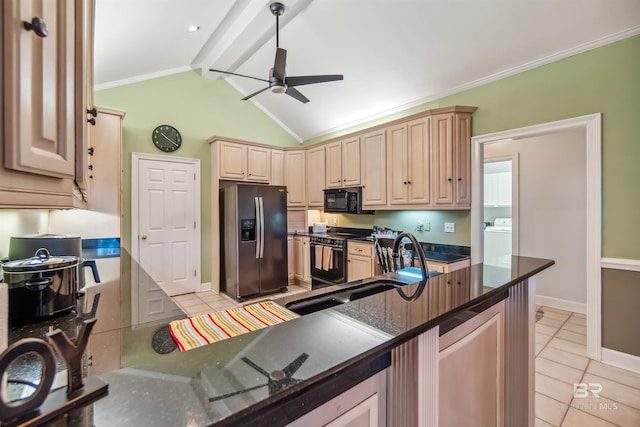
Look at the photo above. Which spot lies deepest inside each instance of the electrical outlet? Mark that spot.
(419, 226)
(426, 226)
(449, 227)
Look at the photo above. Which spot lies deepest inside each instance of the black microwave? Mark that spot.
(344, 200)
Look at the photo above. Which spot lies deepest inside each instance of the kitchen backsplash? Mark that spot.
(407, 221)
(21, 222)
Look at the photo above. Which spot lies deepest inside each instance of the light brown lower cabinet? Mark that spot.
(361, 406)
(471, 372)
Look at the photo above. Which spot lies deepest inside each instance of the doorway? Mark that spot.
(591, 125)
(165, 231)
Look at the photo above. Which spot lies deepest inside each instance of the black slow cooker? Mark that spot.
(41, 286)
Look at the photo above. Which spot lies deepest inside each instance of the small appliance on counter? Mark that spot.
(319, 227)
(42, 277)
(41, 286)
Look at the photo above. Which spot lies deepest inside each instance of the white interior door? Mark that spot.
(166, 221)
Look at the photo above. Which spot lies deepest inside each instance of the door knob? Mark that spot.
(143, 237)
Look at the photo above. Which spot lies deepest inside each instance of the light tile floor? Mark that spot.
(561, 362)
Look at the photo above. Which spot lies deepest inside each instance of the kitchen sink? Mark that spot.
(370, 287)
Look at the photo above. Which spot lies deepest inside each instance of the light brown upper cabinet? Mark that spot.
(408, 155)
(239, 162)
(373, 166)
(277, 167)
(315, 176)
(451, 158)
(343, 163)
(44, 102)
(295, 178)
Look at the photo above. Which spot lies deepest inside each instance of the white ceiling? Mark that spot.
(394, 54)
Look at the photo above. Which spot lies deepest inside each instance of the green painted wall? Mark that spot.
(199, 108)
(604, 80)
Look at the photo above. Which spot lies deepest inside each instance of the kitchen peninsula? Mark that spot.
(380, 355)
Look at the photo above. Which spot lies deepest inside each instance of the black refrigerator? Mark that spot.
(253, 246)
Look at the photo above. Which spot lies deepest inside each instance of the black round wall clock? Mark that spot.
(166, 138)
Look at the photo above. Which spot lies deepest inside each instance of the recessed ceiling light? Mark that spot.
(192, 28)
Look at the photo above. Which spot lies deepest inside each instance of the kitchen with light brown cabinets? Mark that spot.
(44, 107)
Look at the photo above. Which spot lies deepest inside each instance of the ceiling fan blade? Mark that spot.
(235, 393)
(309, 80)
(297, 95)
(240, 75)
(254, 366)
(280, 64)
(255, 93)
(292, 367)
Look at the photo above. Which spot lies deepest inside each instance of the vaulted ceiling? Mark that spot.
(393, 54)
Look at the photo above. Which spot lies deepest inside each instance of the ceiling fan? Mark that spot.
(278, 81)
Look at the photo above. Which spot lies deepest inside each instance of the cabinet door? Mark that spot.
(373, 167)
(290, 259)
(397, 158)
(442, 159)
(491, 189)
(334, 165)
(504, 189)
(106, 167)
(39, 88)
(351, 162)
(418, 180)
(315, 176)
(462, 160)
(471, 371)
(258, 164)
(298, 259)
(306, 259)
(359, 267)
(295, 178)
(232, 160)
(277, 167)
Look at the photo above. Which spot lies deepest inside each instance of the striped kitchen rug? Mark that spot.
(208, 328)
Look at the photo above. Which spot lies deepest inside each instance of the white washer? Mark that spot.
(497, 243)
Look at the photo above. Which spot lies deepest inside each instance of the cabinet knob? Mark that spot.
(459, 179)
(143, 237)
(408, 182)
(404, 182)
(450, 179)
(38, 26)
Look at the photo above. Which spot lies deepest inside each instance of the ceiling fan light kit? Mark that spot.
(278, 81)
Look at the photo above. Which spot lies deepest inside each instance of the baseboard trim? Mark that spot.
(620, 264)
(204, 287)
(562, 304)
(621, 360)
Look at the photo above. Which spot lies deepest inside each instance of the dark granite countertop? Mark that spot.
(333, 349)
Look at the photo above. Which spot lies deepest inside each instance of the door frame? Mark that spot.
(592, 124)
(135, 208)
(515, 197)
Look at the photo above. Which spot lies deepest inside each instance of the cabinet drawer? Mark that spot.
(358, 248)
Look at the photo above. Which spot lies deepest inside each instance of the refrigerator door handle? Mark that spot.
(261, 229)
(258, 226)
